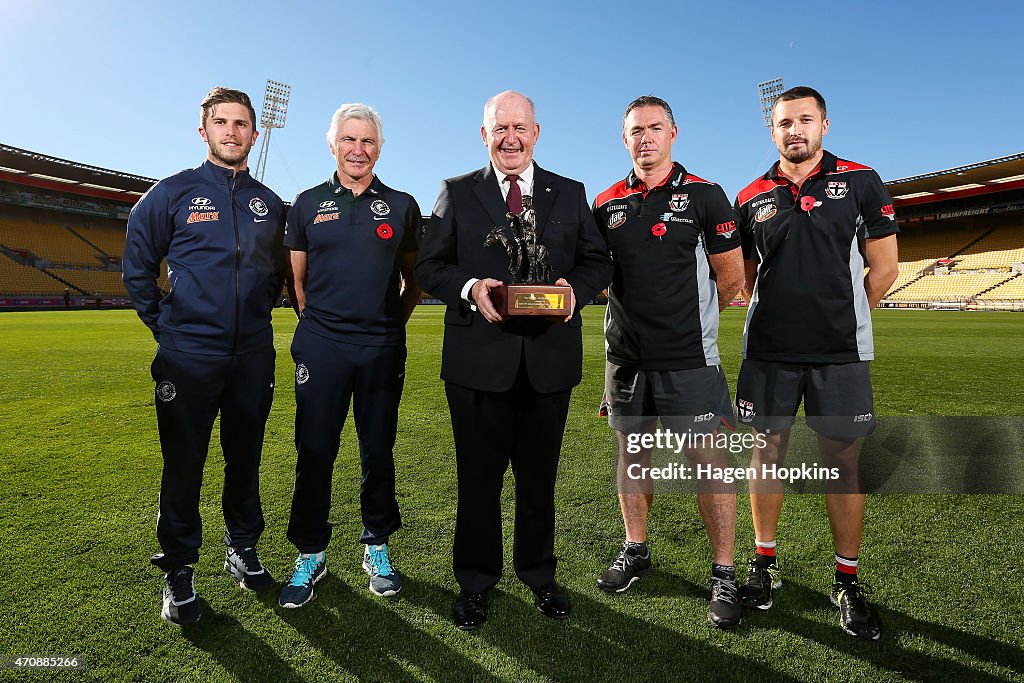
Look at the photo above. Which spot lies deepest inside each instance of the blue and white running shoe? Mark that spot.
(308, 570)
(384, 578)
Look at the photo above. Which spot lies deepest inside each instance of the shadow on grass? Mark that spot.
(365, 638)
(665, 583)
(600, 643)
(241, 653)
(794, 600)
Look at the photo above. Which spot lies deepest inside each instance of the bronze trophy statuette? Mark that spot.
(528, 290)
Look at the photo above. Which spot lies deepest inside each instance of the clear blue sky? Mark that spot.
(911, 86)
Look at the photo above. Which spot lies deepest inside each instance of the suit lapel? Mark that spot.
(489, 194)
(544, 193)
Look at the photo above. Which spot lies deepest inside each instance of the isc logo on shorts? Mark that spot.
(866, 417)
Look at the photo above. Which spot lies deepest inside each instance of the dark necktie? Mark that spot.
(515, 195)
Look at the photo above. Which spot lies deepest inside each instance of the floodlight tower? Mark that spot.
(275, 108)
(768, 91)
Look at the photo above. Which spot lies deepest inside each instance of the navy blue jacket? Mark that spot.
(221, 233)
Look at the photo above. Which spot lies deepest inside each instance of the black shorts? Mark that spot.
(694, 400)
(837, 398)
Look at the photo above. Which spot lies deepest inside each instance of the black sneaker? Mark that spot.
(855, 613)
(725, 610)
(627, 568)
(244, 564)
(181, 605)
(756, 591)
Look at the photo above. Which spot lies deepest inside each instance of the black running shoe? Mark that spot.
(756, 591)
(725, 610)
(627, 568)
(181, 605)
(855, 613)
(244, 564)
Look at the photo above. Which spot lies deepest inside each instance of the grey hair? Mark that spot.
(489, 105)
(356, 110)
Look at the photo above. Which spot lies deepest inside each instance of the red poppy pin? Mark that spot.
(808, 202)
(384, 231)
(658, 230)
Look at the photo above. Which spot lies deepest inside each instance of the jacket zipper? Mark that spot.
(238, 260)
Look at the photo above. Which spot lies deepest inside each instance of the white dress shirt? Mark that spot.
(526, 186)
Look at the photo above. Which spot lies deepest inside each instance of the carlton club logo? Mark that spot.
(165, 391)
(258, 207)
(380, 207)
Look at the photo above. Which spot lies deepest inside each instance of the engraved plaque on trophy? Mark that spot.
(528, 290)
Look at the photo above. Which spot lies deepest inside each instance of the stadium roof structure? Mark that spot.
(983, 177)
(32, 168)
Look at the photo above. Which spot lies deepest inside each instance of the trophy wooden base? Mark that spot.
(553, 300)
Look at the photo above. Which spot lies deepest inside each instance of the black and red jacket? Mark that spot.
(809, 304)
(663, 302)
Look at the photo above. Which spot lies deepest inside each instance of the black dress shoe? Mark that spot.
(552, 601)
(470, 612)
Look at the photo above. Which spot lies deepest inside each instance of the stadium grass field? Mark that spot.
(80, 467)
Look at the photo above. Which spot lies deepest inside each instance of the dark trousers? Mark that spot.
(329, 374)
(493, 429)
(190, 390)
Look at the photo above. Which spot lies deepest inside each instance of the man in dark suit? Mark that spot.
(508, 380)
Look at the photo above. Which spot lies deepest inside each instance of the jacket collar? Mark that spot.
(223, 176)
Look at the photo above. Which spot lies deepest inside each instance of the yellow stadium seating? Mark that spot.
(936, 245)
(1001, 239)
(22, 280)
(998, 250)
(105, 282)
(50, 241)
(109, 240)
(1012, 289)
(952, 287)
(1003, 258)
(54, 243)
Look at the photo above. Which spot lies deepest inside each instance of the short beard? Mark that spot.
(795, 157)
(219, 154)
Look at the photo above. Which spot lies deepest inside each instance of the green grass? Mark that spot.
(79, 474)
